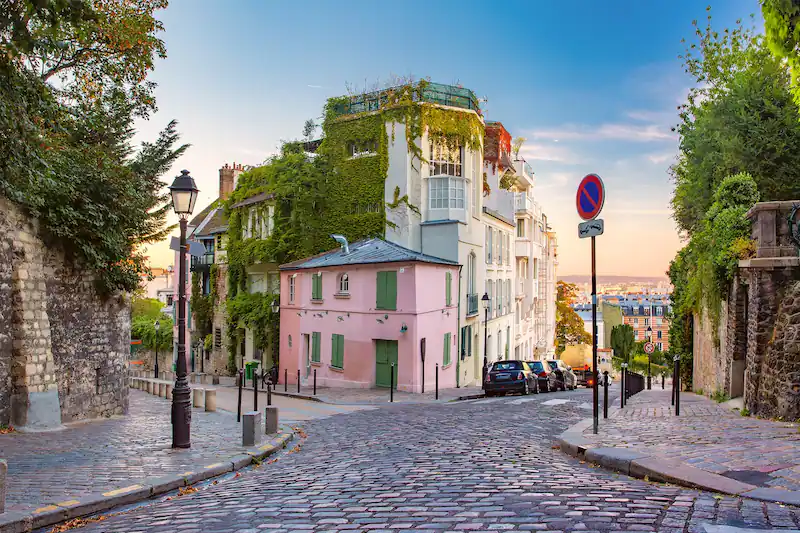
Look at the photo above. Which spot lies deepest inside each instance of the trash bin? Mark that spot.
(249, 368)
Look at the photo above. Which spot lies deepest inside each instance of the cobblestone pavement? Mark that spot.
(291, 409)
(102, 455)
(708, 436)
(381, 396)
(482, 465)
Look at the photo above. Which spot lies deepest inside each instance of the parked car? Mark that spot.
(542, 372)
(510, 376)
(561, 375)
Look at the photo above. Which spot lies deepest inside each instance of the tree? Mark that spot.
(740, 117)
(309, 128)
(516, 145)
(569, 326)
(622, 342)
(782, 28)
(146, 308)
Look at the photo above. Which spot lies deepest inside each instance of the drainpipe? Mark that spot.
(458, 332)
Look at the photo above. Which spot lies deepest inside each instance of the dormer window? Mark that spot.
(344, 284)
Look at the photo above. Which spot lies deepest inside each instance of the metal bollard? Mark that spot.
(437, 381)
(286, 379)
(605, 394)
(269, 393)
(662, 381)
(255, 391)
(677, 388)
(391, 384)
(298, 381)
(239, 405)
(315, 382)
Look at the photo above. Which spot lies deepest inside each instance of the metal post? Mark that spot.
(155, 366)
(673, 383)
(595, 406)
(181, 402)
(485, 347)
(286, 379)
(269, 393)
(315, 382)
(298, 381)
(255, 391)
(437, 381)
(605, 394)
(423, 374)
(662, 381)
(239, 403)
(677, 387)
(649, 376)
(391, 383)
(622, 389)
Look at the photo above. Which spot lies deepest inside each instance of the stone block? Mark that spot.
(270, 420)
(169, 392)
(149, 386)
(197, 397)
(251, 428)
(3, 489)
(211, 400)
(162, 390)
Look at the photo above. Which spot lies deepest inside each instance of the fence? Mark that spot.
(634, 383)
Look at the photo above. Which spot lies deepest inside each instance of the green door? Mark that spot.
(385, 355)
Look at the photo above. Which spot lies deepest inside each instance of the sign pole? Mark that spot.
(595, 402)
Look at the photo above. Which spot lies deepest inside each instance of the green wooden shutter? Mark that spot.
(316, 341)
(337, 350)
(380, 300)
(391, 290)
(448, 278)
(446, 358)
(316, 287)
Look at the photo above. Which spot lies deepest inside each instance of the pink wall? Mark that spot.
(421, 306)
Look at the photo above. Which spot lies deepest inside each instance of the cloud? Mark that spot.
(659, 159)
(546, 152)
(640, 212)
(315, 86)
(618, 131)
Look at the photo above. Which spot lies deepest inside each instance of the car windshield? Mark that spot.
(507, 365)
(553, 365)
(536, 366)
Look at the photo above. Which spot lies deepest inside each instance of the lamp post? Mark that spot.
(156, 326)
(650, 340)
(184, 194)
(485, 300)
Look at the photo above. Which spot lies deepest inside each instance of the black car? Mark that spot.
(510, 376)
(561, 375)
(543, 378)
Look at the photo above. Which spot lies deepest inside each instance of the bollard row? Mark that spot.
(202, 398)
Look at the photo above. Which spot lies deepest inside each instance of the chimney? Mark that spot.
(227, 179)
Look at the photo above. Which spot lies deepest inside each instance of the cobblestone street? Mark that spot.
(481, 465)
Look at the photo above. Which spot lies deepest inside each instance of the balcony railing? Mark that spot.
(435, 93)
(522, 203)
(472, 304)
(203, 262)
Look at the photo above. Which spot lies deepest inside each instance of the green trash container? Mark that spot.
(249, 368)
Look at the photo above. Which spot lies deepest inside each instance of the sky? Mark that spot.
(592, 85)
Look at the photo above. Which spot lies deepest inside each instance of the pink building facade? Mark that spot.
(352, 312)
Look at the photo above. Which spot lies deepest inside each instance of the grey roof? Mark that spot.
(260, 197)
(216, 223)
(367, 251)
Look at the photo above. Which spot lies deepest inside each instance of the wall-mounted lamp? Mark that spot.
(403, 328)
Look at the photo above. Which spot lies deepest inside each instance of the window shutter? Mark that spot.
(340, 347)
(317, 338)
(380, 302)
(446, 356)
(448, 278)
(391, 290)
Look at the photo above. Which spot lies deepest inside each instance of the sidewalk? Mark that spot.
(344, 396)
(92, 466)
(708, 446)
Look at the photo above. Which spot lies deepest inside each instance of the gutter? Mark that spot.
(458, 332)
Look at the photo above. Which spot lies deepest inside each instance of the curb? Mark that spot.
(640, 464)
(48, 515)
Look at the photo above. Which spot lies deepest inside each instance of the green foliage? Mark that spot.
(202, 307)
(148, 308)
(569, 326)
(507, 180)
(720, 396)
(740, 117)
(208, 342)
(144, 328)
(516, 145)
(744, 411)
(782, 28)
(67, 155)
(622, 342)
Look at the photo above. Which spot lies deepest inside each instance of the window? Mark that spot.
(521, 228)
(219, 242)
(209, 245)
(501, 242)
(316, 340)
(488, 245)
(387, 290)
(316, 286)
(448, 282)
(636, 322)
(445, 161)
(646, 322)
(636, 334)
(658, 335)
(337, 350)
(471, 287)
(489, 287)
(446, 193)
(344, 284)
(508, 296)
(291, 288)
(535, 268)
(508, 248)
(274, 282)
(446, 356)
(362, 149)
(499, 289)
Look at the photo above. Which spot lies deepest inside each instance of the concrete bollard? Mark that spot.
(197, 397)
(271, 419)
(149, 386)
(211, 400)
(193, 378)
(251, 428)
(169, 392)
(162, 390)
(3, 471)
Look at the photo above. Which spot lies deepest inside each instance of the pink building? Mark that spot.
(351, 312)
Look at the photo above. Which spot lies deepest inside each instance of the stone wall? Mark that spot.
(217, 361)
(710, 354)
(68, 346)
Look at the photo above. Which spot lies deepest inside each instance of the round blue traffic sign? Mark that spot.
(591, 196)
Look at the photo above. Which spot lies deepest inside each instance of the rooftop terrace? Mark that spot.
(434, 93)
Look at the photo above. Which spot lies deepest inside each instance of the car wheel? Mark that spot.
(563, 388)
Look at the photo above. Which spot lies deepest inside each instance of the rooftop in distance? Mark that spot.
(434, 93)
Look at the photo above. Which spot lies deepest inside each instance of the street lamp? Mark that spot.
(156, 326)
(184, 194)
(275, 306)
(485, 300)
(649, 340)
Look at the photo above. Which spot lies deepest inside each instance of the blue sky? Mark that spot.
(593, 85)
